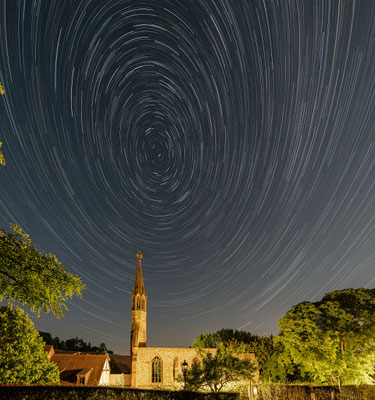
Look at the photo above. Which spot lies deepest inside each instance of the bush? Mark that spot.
(369, 392)
(305, 392)
(103, 393)
(283, 392)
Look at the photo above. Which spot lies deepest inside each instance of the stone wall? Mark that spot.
(139, 327)
(123, 380)
(127, 380)
(116, 380)
(172, 358)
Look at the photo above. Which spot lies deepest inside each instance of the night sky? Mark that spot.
(231, 141)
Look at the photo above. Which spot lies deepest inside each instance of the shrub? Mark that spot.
(103, 393)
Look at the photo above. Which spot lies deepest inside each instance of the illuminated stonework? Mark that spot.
(151, 366)
(148, 366)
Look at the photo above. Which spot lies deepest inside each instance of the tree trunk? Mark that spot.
(250, 391)
(342, 345)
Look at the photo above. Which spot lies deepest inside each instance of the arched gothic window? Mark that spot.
(138, 303)
(156, 370)
(143, 304)
(175, 368)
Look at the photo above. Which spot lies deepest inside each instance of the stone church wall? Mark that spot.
(120, 380)
(116, 380)
(127, 379)
(142, 356)
(171, 358)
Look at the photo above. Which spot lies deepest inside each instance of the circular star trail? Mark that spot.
(232, 142)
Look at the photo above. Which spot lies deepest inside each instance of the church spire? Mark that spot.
(139, 286)
(138, 335)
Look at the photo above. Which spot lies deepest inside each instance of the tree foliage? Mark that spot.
(2, 159)
(22, 356)
(332, 340)
(262, 346)
(279, 367)
(212, 340)
(230, 363)
(73, 344)
(32, 278)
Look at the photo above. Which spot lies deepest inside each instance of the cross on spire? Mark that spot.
(139, 255)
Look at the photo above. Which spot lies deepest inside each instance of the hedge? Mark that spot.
(265, 392)
(103, 393)
(305, 392)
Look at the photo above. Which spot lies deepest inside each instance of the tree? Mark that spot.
(73, 344)
(32, 278)
(212, 340)
(332, 340)
(23, 359)
(230, 363)
(262, 346)
(281, 367)
(2, 159)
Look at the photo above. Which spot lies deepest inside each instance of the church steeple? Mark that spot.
(138, 335)
(139, 286)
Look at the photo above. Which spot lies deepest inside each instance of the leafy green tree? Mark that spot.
(229, 364)
(32, 278)
(280, 367)
(73, 344)
(2, 159)
(332, 340)
(22, 355)
(262, 346)
(47, 337)
(212, 340)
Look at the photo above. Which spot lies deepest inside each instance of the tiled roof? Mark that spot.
(49, 350)
(72, 364)
(58, 351)
(120, 364)
(84, 371)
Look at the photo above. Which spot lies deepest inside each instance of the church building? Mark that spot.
(147, 367)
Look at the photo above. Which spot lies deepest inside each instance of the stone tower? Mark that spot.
(138, 336)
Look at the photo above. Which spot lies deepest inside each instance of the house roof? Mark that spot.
(84, 371)
(48, 347)
(120, 364)
(72, 364)
(59, 351)
(49, 350)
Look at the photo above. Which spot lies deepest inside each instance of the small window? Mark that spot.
(138, 303)
(156, 370)
(143, 304)
(81, 380)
